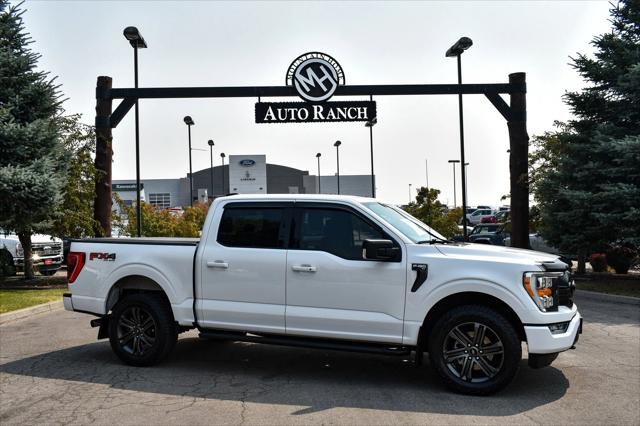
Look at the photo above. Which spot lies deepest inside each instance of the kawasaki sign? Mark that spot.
(315, 76)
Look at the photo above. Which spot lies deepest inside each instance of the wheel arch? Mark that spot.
(468, 298)
(131, 284)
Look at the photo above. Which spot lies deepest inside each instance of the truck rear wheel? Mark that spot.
(142, 330)
(475, 350)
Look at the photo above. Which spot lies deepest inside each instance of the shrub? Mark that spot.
(598, 262)
(620, 257)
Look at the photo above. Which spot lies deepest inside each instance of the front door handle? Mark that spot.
(218, 264)
(304, 268)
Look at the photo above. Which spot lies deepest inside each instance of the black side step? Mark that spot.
(305, 342)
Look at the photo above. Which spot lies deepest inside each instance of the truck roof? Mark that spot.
(297, 197)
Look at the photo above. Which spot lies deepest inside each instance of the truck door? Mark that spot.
(331, 290)
(243, 268)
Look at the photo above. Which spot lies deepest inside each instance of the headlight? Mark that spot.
(541, 288)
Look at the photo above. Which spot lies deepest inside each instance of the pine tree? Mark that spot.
(586, 174)
(32, 166)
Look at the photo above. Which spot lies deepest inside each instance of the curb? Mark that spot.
(610, 298)
(27, 312)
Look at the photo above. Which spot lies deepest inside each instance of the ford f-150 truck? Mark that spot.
(332, 272)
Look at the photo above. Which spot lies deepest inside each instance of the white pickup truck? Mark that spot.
(332, 272)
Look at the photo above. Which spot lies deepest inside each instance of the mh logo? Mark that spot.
(316, 76)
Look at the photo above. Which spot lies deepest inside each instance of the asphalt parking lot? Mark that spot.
(54, 371)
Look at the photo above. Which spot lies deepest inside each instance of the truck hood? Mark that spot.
(35, 238)
(498, 253)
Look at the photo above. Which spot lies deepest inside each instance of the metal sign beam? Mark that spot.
(276, 91)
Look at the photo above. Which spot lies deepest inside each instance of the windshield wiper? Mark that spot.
(434, 241)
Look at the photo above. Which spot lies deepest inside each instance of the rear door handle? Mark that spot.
(217, 264)
(304, 268)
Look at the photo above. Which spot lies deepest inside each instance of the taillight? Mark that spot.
(75, 263)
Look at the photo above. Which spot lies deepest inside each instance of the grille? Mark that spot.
(47, 249)
(566, 287)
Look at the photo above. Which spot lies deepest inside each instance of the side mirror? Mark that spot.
(379, 250)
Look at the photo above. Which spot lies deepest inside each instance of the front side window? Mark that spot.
(409, 226)
(335, 231)
(251, 227)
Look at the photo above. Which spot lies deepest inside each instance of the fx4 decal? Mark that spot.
(110, 257)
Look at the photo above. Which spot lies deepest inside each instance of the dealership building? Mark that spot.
(245, 174)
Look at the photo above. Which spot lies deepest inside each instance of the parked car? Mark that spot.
(489, 233)
(502, 216)
(46, 252)
(331, 272)
(536, 242)
(476, 217)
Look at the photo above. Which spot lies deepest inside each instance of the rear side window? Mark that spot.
(338, 232)
(251, 227)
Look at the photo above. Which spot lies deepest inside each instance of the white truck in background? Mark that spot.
(47, 253)
(336, 272)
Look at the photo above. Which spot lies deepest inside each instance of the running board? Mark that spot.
(305, 342)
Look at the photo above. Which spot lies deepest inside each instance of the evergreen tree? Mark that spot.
(32, 165)
(586, 174)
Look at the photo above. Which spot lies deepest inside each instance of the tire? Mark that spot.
(487, 373)
(142, 330)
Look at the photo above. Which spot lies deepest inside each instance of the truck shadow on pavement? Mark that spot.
(313, 380)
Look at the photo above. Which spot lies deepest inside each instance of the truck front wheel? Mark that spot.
(475, 350)
(142, 330)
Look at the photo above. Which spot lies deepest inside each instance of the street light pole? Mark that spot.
(370, 125)
(409, 193)
(426, 169)
(137, 42)
(456, 50)
(337, 145)
(189, 122)
(318, 157)
(210, 142)
(455, 202)
(223, 182)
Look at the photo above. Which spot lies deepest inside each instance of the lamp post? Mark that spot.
(465, 180)
(370, 125)
(456, 50)
(137, 42)
(189, 122)
(453, 163)
(223, 183)
(426, 169)
(409, 193)
(211, 144)
(318, 157)
(337, 145)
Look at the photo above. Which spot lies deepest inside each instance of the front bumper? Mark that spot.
(540, 340)
(42, 263)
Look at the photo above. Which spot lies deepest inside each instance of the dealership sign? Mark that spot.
(302, 112)
(315, 76)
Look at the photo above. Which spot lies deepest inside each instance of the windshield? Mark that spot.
(410, 227)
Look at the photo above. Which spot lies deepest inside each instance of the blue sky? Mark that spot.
(252, 43)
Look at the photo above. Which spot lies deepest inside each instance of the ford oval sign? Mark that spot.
(247, 163)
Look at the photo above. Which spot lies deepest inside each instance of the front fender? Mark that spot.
(420, 304)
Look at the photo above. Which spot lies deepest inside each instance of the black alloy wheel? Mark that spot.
(475, 350)
(136, 331)
(142, 330)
